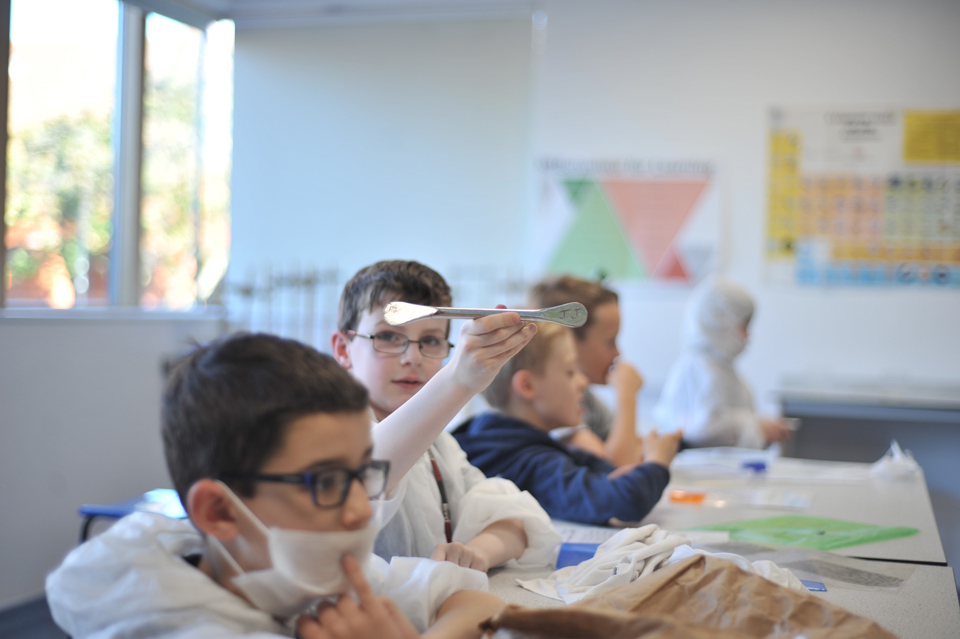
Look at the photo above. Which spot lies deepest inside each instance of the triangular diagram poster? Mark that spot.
(657, 225)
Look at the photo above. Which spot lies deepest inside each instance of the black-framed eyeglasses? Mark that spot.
(329, 487)
(396, 343)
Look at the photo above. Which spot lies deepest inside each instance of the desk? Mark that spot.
(855, 421)
(909, 401)
(926, 606)
(872, 501)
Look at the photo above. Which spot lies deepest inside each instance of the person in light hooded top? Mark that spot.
(703, 394)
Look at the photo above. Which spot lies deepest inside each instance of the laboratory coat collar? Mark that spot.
(134, 581)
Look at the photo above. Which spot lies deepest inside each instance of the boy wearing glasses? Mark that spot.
(444, 508)
(268, 443)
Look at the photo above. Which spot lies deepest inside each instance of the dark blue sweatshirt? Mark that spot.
(570, 484)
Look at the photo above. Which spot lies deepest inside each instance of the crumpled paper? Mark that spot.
(633, 553)
(895, 464)
(696, 598)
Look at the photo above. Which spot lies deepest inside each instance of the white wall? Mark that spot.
(695, 79)
(358, 143)
(79, 423)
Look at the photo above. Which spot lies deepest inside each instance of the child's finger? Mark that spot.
(447, 552)
(491, 323)
(332, 621)
(347, 606)
(308, 628)
(501, 339)
(392, 609)
(500, 353)
(515, 343)
(491, 346)
(360, 584)
(400, 622)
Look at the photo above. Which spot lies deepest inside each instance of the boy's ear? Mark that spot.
(339, 343)
(211, 510)
(523, 385)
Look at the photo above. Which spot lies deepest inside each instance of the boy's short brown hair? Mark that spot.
(227, 405)
(533, 357)
(560, 289)
(402, 280)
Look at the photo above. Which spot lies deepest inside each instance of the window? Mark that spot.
(59, 155)
(118, 160)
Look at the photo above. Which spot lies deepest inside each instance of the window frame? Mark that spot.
(5, 6)
(124, 287)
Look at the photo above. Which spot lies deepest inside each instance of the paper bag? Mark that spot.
(699, 598)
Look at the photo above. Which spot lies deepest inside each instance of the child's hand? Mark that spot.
(625, 379)
(588, 441)
(661, 449)
(775, 430)
(621, 470)
(485, 345)
(373, 618)
(457, 553)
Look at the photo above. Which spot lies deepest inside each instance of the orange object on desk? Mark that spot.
(686, 496)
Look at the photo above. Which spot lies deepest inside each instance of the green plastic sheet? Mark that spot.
(809, 532)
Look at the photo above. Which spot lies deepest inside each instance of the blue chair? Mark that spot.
(164, 501)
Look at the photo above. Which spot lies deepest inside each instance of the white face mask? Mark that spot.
(305, 564)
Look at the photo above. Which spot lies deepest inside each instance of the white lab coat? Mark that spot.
(634, 553)
(413, 520)
(132, 581)
(703, 393)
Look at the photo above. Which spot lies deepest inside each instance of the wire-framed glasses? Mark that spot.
(396, 343)
(329, 487)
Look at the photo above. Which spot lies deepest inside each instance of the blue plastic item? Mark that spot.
(756, 466)
(573, 554)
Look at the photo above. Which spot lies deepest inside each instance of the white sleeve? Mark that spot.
(732, 420)
(674, 402)
(392, 502)
(495, 499)
(420, 586)
(456, 458)
(712, 406)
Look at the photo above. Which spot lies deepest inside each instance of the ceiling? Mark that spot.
(285, 13)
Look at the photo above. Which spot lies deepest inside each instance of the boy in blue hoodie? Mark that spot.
(541, 389)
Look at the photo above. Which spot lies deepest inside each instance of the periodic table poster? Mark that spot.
(864, 197)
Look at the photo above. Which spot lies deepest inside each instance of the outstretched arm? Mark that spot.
(485, 346)
(579, 487)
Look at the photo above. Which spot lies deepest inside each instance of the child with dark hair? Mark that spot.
(612, 434)
(444, 508)
(269, 445)
(541, 390)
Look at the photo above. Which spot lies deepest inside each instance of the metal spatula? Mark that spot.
(573, 314)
